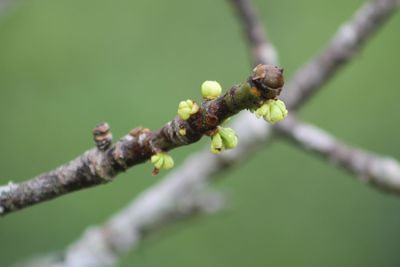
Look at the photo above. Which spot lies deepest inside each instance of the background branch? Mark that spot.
(262, 50)
(380, 171)
(159, 206)
(181, 196)
(347, 42)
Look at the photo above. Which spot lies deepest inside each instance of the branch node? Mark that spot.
(102, 136)
(118, 155)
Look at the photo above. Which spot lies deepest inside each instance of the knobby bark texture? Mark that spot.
(101, 164)
(158, 202)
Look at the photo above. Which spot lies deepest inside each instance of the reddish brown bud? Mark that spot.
(269, 75)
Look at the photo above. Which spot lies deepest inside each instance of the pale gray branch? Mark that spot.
(182, 194)
(380, 171)
(263, 51)
(343, 47)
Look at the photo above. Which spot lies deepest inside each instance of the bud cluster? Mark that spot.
(162, 160)
(266, 83)
(187, 108)
(272, 111)
(223, 138)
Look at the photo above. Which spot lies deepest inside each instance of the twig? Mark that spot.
(100, 165)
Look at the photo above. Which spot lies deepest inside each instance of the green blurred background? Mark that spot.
(66, 65)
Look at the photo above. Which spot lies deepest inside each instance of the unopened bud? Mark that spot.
(272, 111)
(224, 138)
(162, 160)
(229, 138)
(216, 144)
(211, 89)
(187, 108)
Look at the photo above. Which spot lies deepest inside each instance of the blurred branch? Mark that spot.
(343, 47)
(101, 164)
(8, 6)
(4, 5)
(180, 196)
(263, 51)
(381, 171)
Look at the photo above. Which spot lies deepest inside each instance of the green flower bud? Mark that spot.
(229, 138)
(158, 161)
(216, 144)
(162, 160)
(262, 111)
(224, 138)
(187, 108)
(168, 162)
(272, 111)
(211, 90)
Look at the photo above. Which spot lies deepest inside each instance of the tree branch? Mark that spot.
(96, 167)
(160, 205)
(100, 165)
(251, 132)
(380, 171)
(343, 47)
(181, 196)
(5, 5)
(262, 50)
